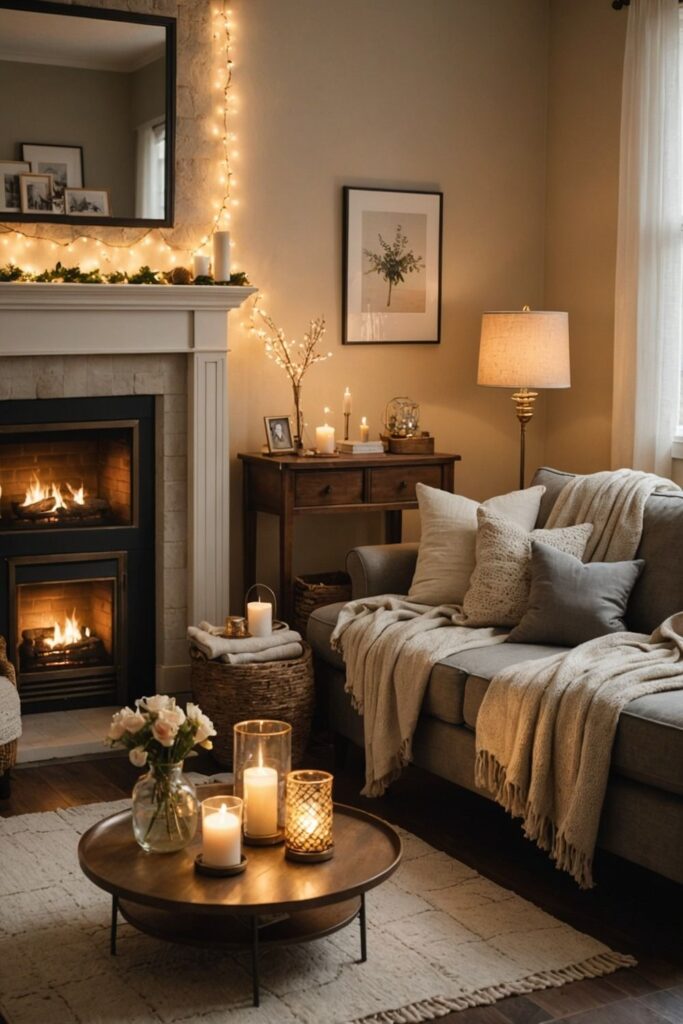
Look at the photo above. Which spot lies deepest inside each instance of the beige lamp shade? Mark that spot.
(524, 348)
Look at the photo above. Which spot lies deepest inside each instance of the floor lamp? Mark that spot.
(524, 349)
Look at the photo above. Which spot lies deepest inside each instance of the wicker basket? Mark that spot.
(268, 689)
(311, 592)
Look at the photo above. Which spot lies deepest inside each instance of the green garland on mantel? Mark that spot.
(145, 275)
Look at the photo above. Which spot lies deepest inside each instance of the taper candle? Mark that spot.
(347, 401)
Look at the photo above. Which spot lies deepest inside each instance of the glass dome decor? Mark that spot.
(402, 417)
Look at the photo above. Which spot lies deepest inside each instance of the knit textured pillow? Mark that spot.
(499, 588)
(446, 556)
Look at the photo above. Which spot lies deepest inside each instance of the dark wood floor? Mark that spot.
(632, 910)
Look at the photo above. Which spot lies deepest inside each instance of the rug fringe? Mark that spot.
(439, 1006)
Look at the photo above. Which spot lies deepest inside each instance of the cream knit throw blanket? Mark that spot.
(614, 502)
(545, 731)
(390, 646)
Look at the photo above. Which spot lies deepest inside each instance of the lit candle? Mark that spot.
(260, 618)
(221, 256)
(201, 265)
(347, 401)
(364, 429)
(260, 801)
(222, 838)
(324, 439)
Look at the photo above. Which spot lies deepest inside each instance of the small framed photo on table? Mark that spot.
(87, 202)
(279, 435)
(36, 193)
(10, 191)
(391, 288)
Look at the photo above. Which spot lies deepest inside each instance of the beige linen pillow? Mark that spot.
(499, 589)
(446, 556)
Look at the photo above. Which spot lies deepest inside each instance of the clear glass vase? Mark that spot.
(165, 809)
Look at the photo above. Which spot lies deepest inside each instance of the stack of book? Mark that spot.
(360, 447)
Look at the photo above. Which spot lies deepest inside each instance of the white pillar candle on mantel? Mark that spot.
(347, 401)
(221, 256)
(364, 429)
(260, 618)
(201, 264)
(222, 839)
(260, 801)
(324, 440)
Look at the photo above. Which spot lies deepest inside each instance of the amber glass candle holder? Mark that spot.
(262, 758)
(308, 828)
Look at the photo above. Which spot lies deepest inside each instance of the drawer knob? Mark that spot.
(327, 489)
(402, 486)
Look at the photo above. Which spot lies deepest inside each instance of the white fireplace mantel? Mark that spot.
(76, 319)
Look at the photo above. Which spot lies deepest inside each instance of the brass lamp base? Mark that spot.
(524, 408)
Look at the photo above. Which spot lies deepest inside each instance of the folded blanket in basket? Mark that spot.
(204, 638)
(284, 652)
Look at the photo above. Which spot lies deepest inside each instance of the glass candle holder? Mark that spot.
(222, 831)
(308, 829)
(262, 758)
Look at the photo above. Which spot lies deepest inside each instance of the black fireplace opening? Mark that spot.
(77, 549)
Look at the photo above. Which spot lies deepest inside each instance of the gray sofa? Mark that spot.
(642, 818)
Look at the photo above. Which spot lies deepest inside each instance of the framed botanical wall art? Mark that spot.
(10, 192)
(391, 288)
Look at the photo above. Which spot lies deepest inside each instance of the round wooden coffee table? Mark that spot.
(274, 900)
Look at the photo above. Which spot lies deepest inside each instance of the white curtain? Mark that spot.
(648, 273)
(150, 170)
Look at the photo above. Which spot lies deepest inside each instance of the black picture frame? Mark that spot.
(108, 14)
(374, 322)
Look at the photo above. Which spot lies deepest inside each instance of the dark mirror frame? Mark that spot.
(105, 14)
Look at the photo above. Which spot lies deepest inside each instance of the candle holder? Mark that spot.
(347, 420)
(221, 837)
(308, 831)
(262, 759)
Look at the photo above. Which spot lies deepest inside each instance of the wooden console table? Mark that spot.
(287, 486)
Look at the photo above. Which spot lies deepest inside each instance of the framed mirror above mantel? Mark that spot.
(87, 129)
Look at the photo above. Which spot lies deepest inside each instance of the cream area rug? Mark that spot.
(440, 938)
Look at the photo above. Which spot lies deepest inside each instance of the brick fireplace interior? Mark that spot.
(77, 548)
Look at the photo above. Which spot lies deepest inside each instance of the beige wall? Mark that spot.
(444, 94)
(584, 103)
(73, 106)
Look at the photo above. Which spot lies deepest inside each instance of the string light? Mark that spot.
(223, 35)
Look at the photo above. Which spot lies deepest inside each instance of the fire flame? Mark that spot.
(69, 634)
(37, 492)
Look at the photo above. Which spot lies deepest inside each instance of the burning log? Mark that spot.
(44, 508)
(39, 650)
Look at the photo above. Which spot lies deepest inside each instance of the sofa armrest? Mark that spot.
(381, 569)
(6, 667)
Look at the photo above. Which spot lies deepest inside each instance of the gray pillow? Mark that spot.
(571, 601)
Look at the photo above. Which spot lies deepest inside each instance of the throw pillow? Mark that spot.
(571, 602)
(499, 589)
(446, 555)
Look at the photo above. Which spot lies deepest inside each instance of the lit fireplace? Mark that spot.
(57, 501)
(60, 646)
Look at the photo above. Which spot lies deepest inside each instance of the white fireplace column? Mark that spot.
(43, 323)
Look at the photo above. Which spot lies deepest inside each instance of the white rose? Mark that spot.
(138, 757)
(202, 722)
(133, 721)
(176, 716)
(158, 702)
(116, 727)
(164, 731)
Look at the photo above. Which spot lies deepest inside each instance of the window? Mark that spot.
(151, 170)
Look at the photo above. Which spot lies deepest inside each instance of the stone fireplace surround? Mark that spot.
(62, 341)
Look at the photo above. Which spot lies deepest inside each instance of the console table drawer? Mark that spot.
(329, 487)
(398, 482)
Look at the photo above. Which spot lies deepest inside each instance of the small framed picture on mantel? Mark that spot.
(391, 288)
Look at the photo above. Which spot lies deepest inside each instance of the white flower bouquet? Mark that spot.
(159, 735)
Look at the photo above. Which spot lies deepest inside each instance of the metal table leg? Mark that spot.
(363, 930)
(254, 961)
(112, 932)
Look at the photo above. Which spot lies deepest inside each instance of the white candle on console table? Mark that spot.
(260, 801)
(324, 439)
(260, 618)
(364, 429)
(221, 256)
(201, 264)
(222, 839)
(347, 401)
